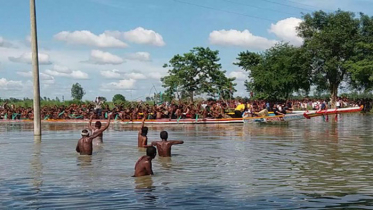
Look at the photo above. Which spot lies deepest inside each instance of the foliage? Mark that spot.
(276, 73)
(360, 66)
(196, 72)
(77, 92)
(117, 98)
(330, 39)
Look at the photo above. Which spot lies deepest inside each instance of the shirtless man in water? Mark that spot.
(99, 139)
(85, 145)
(164, 146)
(142, 139)
(143, 166)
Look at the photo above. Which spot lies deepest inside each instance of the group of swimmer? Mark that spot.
(143, 166)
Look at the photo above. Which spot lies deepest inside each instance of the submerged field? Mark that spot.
(302, 164)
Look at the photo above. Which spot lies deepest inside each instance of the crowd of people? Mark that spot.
(174, 110)
(93, 135)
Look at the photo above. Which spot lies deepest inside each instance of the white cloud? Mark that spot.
(113, 74)
(125, 84)
(116, 74)
(28, 39)
(47, 79)
(102, 58)
(139, 35)
(88, 38)
(61, 69)
(155, 75)
(5, 43)
(135, 76)
(139, 56)
(286, 30)
(239, 75)
(10, 84)
(74, 74)
(241, 39)
(26, 58)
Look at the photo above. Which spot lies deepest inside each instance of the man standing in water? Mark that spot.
(164, 146)
(143, 166)
(142, 139)
(99, 139)
(85, 145)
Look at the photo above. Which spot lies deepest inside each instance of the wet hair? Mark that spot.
(164, 135)
(151, 151)
(85, 132)
(98, 124)
(144, 131)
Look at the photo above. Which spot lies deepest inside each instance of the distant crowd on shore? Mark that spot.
(173, 110)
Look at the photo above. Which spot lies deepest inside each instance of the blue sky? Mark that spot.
(120, 46)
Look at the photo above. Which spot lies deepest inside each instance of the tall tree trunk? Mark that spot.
(191, 93)
(333, 95)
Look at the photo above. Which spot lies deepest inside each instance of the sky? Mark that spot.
(119, 46)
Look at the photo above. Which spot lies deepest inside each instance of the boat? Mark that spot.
(310, 114)
(296, 115)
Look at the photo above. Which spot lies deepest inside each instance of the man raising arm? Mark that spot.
(85, 146)
(164, 146)
(142, 139)
(94, 129)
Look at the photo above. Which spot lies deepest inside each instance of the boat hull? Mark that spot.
(311, 114)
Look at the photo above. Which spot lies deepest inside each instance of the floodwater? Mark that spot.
(303, 164)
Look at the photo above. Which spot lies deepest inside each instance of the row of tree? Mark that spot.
(337, 49)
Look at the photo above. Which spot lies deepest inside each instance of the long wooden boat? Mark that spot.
(311, 114)
(297, 115)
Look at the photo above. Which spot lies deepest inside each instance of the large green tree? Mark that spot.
(276, 73)
(197, 72)
(118, 98)
(77, 92)
(330, 40)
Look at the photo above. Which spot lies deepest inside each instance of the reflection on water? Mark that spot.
(36, 165)
(84, 160)
(303, 164)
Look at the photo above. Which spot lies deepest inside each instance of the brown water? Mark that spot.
(303, 164)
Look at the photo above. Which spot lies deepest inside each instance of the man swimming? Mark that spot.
(85, 145)
(99, 139)
(164, 146)
(142, 139)
(143, 166)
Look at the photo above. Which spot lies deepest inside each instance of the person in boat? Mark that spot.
(289, 106)
(142, 138)
(263, 112)
(85, 144)
(276, 111)
(239, 110)
(323, 106)
(164, 146)
(143, 166)
(99, 139)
